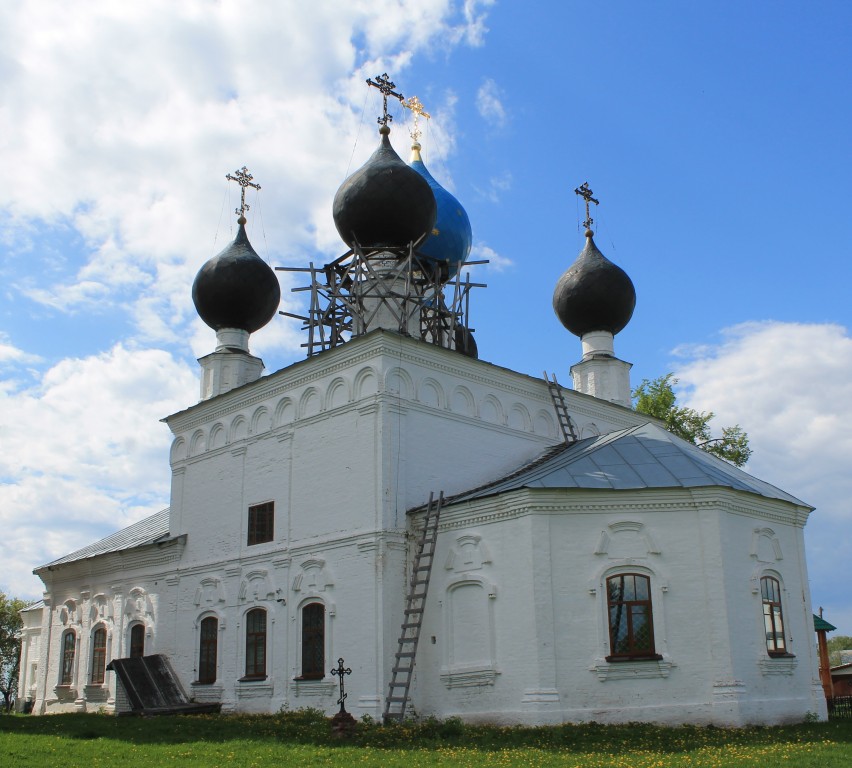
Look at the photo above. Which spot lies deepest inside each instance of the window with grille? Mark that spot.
(261, 518)
(99, 643)
(69, 648)
(631, 621)
(207, 650)
(137, 641)
(773, 617)
(256, 643)
(313, 641)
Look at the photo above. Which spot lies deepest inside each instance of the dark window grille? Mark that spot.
(256, 643)
(773, 618)
(313, 641)
(137, 641)
(631, 619)
(261, 518)
(69, 646)
(99, 639)
(207, 650)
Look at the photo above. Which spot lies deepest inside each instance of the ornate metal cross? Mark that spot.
(415, 105)
(585, 191)
(386, 87)
(340, 671)
(244, 179)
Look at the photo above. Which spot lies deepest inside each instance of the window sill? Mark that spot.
(621, 668)
(641, 657)
(780, 655)
(208, 683)
(252, 679)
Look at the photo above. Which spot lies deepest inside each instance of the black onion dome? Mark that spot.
(385, 203)
(594, 294)
(236, 289)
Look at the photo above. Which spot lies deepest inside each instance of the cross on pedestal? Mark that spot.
(244, 179)
(585, 191)
(416, 106)
(340, 671)
(386, 88)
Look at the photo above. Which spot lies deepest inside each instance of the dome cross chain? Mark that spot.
(386, 88)
(585, 191)
(244, 179)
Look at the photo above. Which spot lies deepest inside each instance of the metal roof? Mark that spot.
(645, 456)
(147, 531)
(821, 624)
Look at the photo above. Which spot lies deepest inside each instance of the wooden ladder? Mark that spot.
(566, 423)
(403, 667)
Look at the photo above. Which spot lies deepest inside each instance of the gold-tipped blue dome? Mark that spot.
(452, 237)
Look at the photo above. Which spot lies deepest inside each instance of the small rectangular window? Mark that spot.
(261, 518)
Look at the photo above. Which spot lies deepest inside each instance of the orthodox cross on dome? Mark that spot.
(386, 87)
(416, 106)
(244, 179)
(340, 671)
(585, 191)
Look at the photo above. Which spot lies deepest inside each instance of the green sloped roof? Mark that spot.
(821, 624)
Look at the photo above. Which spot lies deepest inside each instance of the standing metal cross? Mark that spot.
(244, 179)
(585, 191)
(340, 671)
(416, 106)
(386, 87)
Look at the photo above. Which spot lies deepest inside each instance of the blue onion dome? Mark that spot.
(384, 204)
(451, 238)
(236, 289)
(594, 294)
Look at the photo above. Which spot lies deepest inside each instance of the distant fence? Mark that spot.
(840, 707)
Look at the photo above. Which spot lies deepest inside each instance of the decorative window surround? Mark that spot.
(632, 670)
(778, 665)
(469, 677)
(254, 689)
(313, 687)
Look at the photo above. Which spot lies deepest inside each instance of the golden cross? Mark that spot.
(386, 88)
(416, 106)
(244, 179)
(585, 191)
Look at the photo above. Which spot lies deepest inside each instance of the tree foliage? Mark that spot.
(10, 647)
(835, 646)
(657, 398)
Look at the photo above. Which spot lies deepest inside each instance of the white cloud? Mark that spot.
(497, 185)
(490, 104)
(11, 355)
(496, 262)
(84, 453)
(789, 385)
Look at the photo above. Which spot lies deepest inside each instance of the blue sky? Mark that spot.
(715, 136)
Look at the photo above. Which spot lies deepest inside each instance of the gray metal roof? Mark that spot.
(147, 531)
(646, 456)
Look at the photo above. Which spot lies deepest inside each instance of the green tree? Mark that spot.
(657, 398)
(10, 647)
(835, 646)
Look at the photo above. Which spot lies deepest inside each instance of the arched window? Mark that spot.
(773, 618)
(69, 647)
(631, 620)
(99, 646)
(313, 641)
(207, 650)
(256, 643)
(137, 641)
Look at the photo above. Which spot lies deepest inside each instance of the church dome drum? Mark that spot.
(385, 203)
(236, 289)
(594, 294)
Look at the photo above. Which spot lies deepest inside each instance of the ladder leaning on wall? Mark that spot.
(415, 603)
(566, 423)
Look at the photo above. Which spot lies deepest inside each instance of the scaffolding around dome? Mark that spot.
(395, 289)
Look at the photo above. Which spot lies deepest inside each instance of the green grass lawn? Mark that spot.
(303, 739)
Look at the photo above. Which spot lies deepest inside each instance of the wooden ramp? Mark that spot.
(153, 689)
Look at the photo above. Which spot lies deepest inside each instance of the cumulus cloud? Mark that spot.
(497, 186)
(84, 453)
(490, 104)
(789, 385)
(496, 261)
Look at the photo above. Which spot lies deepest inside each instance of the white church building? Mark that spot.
(586, 564)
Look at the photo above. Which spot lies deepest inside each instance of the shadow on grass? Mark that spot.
(311, 727)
